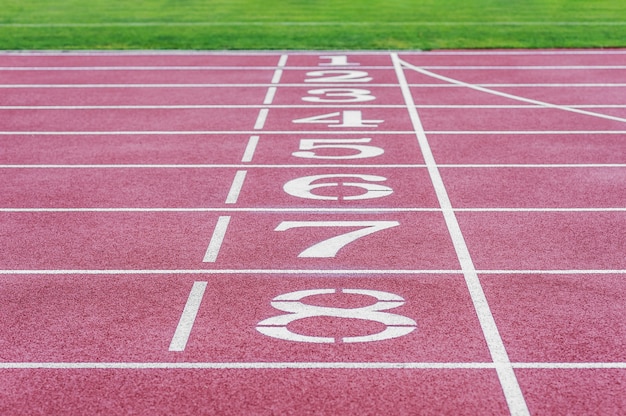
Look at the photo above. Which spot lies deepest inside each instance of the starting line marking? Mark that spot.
(188, 317)
(235, 189)
(250, 149)
(217, 239)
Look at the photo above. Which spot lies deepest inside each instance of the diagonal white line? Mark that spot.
(510, 96)
(508, 380)
(215, 244)
(188, 317)
(250, 149)
(235, 189)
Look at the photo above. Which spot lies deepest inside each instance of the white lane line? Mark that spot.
(321, 166)
(188, 85)
(528, 85)
(190, 132)
(298, 365)
(525, 132)
(548, 209)
(188, 317)
(564, 271)
(207, 106)
(298, 68)
(281, 106)
(192, 166)
(307, 210)
(333, 272)
(269, 97)
(248, 154)
(213, 250)
(522, 67)
(537, 165)
(299, 85)
(528, 52)
(510, 386)
(296, 132)
(511, 96)
(138, 68)
(235, 188)
(232, 209)
(243, 365)
(260, 121)
(581, 366)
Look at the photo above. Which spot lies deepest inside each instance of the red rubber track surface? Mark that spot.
(313, 233)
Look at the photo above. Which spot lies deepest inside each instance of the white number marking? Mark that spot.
(309, 149)
(395, 325)
(346, 118)
(302, 187)
(337, 60)
(329, 247)
(344, 76)
(339, 95)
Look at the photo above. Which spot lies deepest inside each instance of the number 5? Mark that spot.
(329, 247)
(309, 149)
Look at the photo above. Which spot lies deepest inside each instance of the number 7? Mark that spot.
(330, 247)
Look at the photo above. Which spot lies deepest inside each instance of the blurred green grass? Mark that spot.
(312, 24)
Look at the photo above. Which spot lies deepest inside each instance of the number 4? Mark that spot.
(346, 118)
(329, 247)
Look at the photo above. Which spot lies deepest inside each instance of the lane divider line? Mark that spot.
(298, 365)
(104, 272)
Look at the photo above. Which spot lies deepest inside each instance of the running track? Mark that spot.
(313, 233)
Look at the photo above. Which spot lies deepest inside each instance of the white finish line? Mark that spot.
(508, 380)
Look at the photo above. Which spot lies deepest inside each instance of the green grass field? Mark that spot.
(311, 24)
